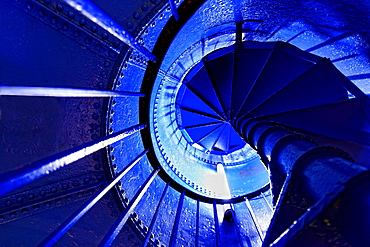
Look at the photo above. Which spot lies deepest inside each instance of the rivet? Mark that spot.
(96, 157)
(71, 15)
(42, 13)
(106, 64)
(65, 26)
(2, 218)
(113, 158)
(104, 35)
(47, 204)
(8, 203)
(25, 211)
(112, 54)
(88, 40)
(29, 5)
(75, 183)
(54, 20)
(100, 177)
(129, 24)
(87, 180)
(31, 196)
(96, 105)
(13, 214)
(42, 193)
(19, 200)
(112, 112)
(97, 167)
(36, 207)
(144, 7)
(136, 16)
(58, 201)
(94, 29)
(99, 47)
(110, 130)
(77, 34)
(83, 22)
(80, 194)
(54, 189)
(116, 44)
(60, 7)
(65, 186)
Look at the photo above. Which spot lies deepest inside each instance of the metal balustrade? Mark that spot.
(264, 118)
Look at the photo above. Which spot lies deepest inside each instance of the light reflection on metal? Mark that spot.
(217, 224)
(222, 183)
(197, 224)
(72, 220)
(121, 221)
(268, 204)
(96, 15)
(152, 223)
(174, 9)
(254, 219)
(175, 228)
(15, 179)
(62, 92)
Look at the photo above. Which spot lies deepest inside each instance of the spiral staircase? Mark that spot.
(184, 123)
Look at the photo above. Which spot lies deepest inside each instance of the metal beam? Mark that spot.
(217, 224)
(152, 223)
(174, 9)
(175, 228)
(121, 221)
(62, 92)
(96, 15)
(72, 220)
(197, 225)
(12, 180)
(254, 219)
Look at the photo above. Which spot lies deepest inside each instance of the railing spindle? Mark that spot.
(121, 221)
(72, 220)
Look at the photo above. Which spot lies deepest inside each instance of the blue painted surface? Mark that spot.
(45, 44)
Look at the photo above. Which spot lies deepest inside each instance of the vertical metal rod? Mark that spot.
(121, 221)
(177, 221)
(77, 215)
(96, 15)
(15, 179)
(268, 204)
(217, 224)
(236, 225)
(62, 92)
(152, 223)
(254, 218)
(174, 9)
(197, 224)
(239, 34)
